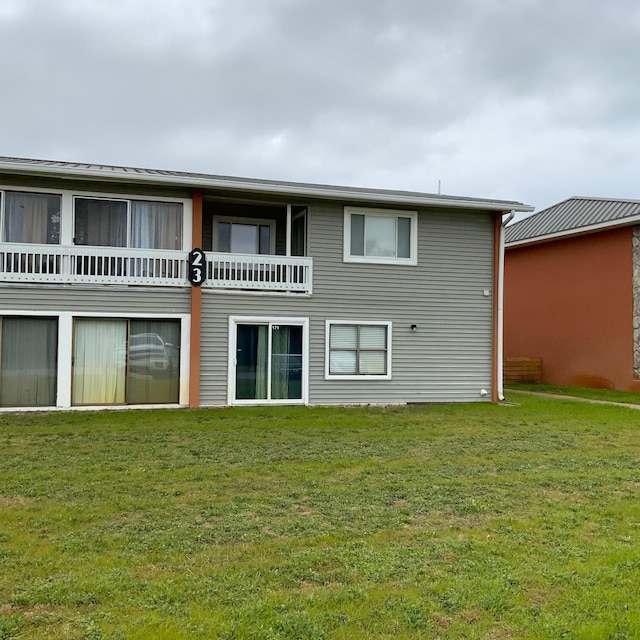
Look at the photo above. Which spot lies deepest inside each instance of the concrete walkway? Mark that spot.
(560, 397)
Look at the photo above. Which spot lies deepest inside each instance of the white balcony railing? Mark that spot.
(95, 265)
(259, 272)
(40, 263)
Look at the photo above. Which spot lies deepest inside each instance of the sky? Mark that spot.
(527, 100)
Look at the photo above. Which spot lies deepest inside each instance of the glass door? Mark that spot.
(269, 361)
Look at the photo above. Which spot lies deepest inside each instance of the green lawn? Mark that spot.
(475, 521)
(580, 392)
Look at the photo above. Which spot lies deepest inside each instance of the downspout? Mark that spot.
(501, 307)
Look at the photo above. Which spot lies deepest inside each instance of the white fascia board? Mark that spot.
(234, 185)
(572, 233)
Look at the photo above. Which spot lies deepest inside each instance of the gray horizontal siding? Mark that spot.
(108, 299)
(447, 359)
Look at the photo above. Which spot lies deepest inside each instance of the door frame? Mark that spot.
(234, 321)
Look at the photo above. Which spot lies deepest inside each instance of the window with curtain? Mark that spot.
(358, 349)
(156, 225)
(28, 361)
(121, 361)
(100, 222)
(120, 223)
(31, 217)
(379, 235)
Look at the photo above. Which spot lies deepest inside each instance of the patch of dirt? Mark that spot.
(14, 501)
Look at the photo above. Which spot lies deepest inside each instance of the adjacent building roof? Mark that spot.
(203, 181)
(574, 216)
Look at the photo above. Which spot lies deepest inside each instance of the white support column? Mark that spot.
(288, 231)
(185, 364)
(66, 219)
(65, 356)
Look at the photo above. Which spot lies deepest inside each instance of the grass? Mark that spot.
(474, 521)
(581, 392)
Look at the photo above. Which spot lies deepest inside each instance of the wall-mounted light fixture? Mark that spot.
(414, 327)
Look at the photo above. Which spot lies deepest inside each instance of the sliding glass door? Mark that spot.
(126, 361)
(269, 362)
(28, 361)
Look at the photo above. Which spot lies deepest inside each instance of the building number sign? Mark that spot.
(196, 267)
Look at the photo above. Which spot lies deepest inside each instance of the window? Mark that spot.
(30, 217)
(101, 222)
(358, 350)
(244, 236)
(28, 361)
(380, 235)
(121, 361)
(128, 223)
(298, 231)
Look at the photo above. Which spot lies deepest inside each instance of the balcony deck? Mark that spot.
(36, 263)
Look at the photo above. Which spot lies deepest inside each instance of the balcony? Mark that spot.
(47, 263)
(259, 273)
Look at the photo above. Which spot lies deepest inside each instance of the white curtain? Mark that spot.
(156, 225)
(28, 363)
(100, 360)
(26, 218)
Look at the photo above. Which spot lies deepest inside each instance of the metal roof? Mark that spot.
(574, 216)
(71, 170)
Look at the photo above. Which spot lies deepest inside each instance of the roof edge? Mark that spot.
(111, 173)
(580, 231)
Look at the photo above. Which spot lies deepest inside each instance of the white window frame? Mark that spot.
(385, 213)
(233, 343)
(265, 222)
(35, 191)
(66, 322)
(334, 376)
(67, 210)
(128, 201)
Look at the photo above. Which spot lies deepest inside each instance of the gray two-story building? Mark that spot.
(300, 293)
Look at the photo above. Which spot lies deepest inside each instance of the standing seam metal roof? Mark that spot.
(571, 216)
(208, 181)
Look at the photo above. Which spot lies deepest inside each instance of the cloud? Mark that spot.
(519, 99)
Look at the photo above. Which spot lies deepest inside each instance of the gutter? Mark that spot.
(330, 192)
(500, 356)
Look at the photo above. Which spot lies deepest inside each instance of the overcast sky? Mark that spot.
(529, 100)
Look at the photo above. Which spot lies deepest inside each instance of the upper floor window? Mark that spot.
(128, 223)
(380, 235)
(244, 235)
(30, 217)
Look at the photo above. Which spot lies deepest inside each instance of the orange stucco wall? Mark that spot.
(570, 302)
